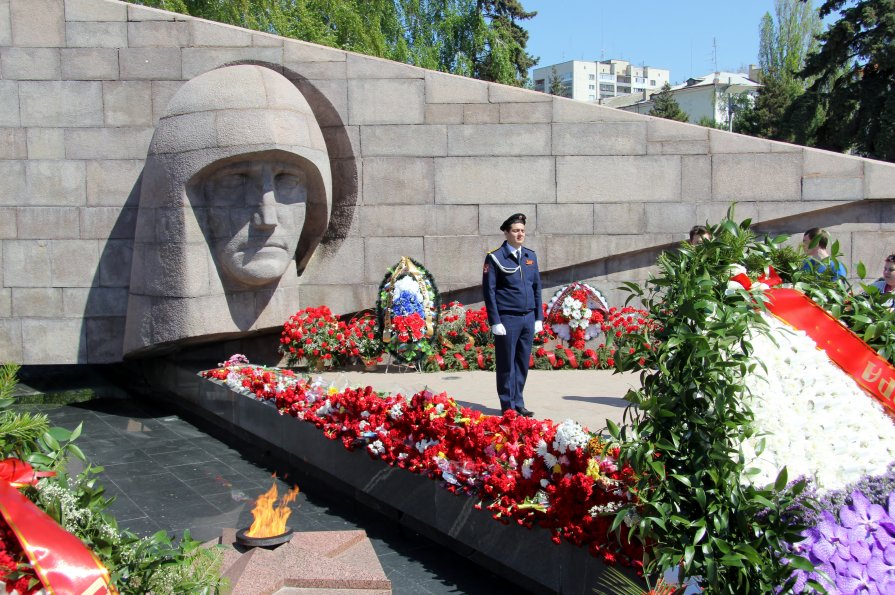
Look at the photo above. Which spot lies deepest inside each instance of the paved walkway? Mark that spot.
(167, 473)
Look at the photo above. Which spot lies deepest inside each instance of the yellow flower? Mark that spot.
(593, 469)
(557, 468)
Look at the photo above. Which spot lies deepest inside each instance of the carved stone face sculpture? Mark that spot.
(235, 197)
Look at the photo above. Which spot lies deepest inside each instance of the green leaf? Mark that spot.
(613, 428)
(50, 440)
(689, 552)
(861, 270)
(76, 432)
(780, 483)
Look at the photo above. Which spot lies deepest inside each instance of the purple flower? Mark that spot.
(881, 568)
(857, 580)
(828, 540)
(862, 519)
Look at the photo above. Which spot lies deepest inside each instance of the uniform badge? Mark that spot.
(529, 262)
(485, 269)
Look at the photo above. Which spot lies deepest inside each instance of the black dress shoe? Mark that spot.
(524, 412)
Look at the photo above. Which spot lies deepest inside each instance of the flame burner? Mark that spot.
(265, 542)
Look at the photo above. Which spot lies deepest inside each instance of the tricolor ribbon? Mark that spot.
(63, 564)
(844, 348)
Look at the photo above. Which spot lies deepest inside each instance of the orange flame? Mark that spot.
(270, 520)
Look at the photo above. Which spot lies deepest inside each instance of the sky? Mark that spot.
(681, 36)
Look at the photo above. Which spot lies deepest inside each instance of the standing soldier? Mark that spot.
(511, 284)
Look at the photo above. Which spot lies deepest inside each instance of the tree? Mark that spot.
(854, 79)
(555, 84)
(785, 43)
(477, 38)
(665, 106)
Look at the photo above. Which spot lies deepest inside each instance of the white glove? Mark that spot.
(499, 329)
(539, 326)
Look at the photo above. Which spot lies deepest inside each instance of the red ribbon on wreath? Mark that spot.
(463, 361)
(480, 360)
(571, 356)
(60, 560)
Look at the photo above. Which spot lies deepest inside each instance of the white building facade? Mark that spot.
(594, 81)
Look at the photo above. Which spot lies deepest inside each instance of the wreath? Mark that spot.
(407, 309)
(575, 312)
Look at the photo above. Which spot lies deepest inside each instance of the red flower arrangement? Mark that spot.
(15, 569)
(528, 471)
(315, 335)
(362, 340)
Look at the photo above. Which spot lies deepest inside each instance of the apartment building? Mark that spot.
(593, 81)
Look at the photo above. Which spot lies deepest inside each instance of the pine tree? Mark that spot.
(556, 87)
(854, 72)
(665, 106)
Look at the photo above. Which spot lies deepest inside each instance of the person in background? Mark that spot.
(511, 286)
(815, 242)
(699, 233)
(886, 285)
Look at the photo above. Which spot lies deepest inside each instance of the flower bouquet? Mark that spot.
(407, 310)
(573, 311)
(363, 340)
(315, 335)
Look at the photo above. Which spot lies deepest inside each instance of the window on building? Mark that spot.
(591, 77)
(652, 82)
(606, 88)
(539, 85)
(591, 87)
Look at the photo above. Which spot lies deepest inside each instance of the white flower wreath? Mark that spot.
(565, 312)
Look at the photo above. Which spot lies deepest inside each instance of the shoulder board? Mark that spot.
(495, 250)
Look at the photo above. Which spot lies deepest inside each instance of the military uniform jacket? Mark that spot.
(511, 286)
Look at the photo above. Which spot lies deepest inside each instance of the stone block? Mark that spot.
(342, 142)
(209, 34)
(13, 182)
(714, 212)
(799, 216)
(342, 299)
(150, 64)
(5, 24)
(879, 180)
(381, 253)
(11, 340)
(110, 182)
(13, 143)
(265, 40)
(671, 218)
(696, 177)
(104, 343)
(611, 178)
(398, 180)
(569, 110)
(8, 229)
(37, 302)
(26, 263)
(370, 67)
(481, 113)
(61, 103)
(756, 177)
(5, 305)
(600, 138)
(199, 60)
(147, 34)
(386, 101)
(396, 221)
(731, 142)
(38, 223)
(90, 64)
(55, 183)
(162, 92)
(826, 164)
(142, 13)
(335, 70)
(46, 143)
(115, 264)
(619, 218)
(566, 218)
(328, 99)
(337, 264)
(871, 249)
(449, 88)
(30, 64)
(95, 10)
(9, 104)
(302, 51)
(98, 223)
(662, 130)
(54, 341)
(525, 113)
(679, 147)
(491, 216)
(37, 23)
(99, 34)
(499, 139)
(498, 93)
(417, 141)
(444, 113)
(107, 143)
(832, 188)
(570, 250)
(455, 259)
(504, 180)
(456, 220)
(73, 263)
(781, 147)
(128, 103)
